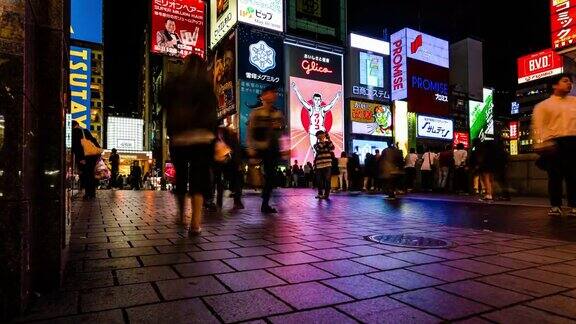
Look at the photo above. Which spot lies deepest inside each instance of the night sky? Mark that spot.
(506, 35)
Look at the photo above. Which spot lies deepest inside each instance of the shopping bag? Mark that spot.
(89, 148)
(222, 152)
(101, 171)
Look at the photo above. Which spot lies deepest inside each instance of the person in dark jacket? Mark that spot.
(390, 170)
(114, 160)
(136, 176)
(323, 163)
(191, 119)
(230, 171)
(86, 164)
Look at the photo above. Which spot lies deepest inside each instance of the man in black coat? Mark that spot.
(86, 164)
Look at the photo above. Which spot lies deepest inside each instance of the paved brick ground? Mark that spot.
(130, 263)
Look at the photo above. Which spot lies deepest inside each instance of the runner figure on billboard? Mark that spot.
(317, 111)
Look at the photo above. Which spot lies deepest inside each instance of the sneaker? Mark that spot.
(195, 232)
(572, 212)
(268, 210)
(555, 211)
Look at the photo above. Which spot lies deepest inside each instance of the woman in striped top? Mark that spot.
(323, 163)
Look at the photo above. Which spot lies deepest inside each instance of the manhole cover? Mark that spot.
(407, 240)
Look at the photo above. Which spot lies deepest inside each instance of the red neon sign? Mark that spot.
(311, 66)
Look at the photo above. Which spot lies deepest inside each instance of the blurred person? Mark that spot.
(265, 127)
(114, 161)
(323, 163)
(307, 170)
(390, 170)
(191, 120)
(501, 156)
(355, 172)
(410, 169)
(445, 163)
(136, 176)
(554, 134)
(343, 177)
(427, 169)
(295, 172)
(229, 171)
(375, 178)
(486, 168)
(85, 163)
(473, 165)
(369, 166)
(460, 179)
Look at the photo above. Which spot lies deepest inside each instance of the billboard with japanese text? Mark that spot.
(250, 91)
(316, 101)
(539, 65)
(371, 118)
(261, 56)
(86, 20)
(262, 13)
(428, 49)
(369, 70)
(563, 23)
(178, 27)
(398, 65)
(482, 117)
(223, 70)
(461, 138)
(80, 76)
(435, 128)
(319, 20)
(427, 88)
(223, 16)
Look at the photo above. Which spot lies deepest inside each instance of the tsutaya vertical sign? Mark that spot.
(80, 75)
(539, 65)
(563, 23)
(399, 69)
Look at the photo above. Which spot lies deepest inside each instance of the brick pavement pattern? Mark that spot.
(130, 263)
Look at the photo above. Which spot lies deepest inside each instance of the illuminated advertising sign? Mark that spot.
(261, 57)
(482, 117)
(86, 20)
(363, 147)
(563, 23)
(539, 65)
(369, 69)
(427, 49)
(436, 128)
(249, 92)
(68, 131)
(515, 108)
(461, 138)
(223, 16)
(427, 88)
(398, 67)
(514, 147)
(125, 134)
(316, 101)
(178, 27)
(514, 130)
(320, 20)
(223, 70)
(370, 118)
(80, 76)
(262, 13)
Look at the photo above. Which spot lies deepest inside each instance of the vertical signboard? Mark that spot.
(563, 24)
(262, 13)
(369, 68)
(399, 68)
(482, 118)
(321, 20)
(223, 70)
(371, 118)
(461, 138)
(316, 103)
(178, 27)
(223, 16)
(86, 20)
(80, 76)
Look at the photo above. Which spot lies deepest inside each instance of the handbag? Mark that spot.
(101, 171)
(88, 147)
(222, 152)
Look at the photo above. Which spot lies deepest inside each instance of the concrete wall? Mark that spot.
(525, 178)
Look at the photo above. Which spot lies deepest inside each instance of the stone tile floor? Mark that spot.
(129, 263)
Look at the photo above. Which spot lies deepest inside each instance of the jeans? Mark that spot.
(324, 176)
(443, 180)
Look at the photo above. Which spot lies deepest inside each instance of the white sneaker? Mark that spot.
(555, 211)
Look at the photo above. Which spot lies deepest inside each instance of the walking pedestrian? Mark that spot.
(265, 126)
(114, 161)
(136, 176)
(295, 171)
(460, 156)
(369, 166)
(486, 168)
(391, 165)
(230, 170)
(343, 177)
(191, 120)
(554, 133)
(323, 163)
(427, 169)
(307, 170)
(500, 167)
(86, 156)
(410, 169)
(473, 167)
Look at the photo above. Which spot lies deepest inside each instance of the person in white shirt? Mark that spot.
(554, 135)
(460, 156)
(428, 163)
(410, 168)
(343, 168)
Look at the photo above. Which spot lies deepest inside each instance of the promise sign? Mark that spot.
(80, 75)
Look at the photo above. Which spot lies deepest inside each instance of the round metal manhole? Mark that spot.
(408, 240)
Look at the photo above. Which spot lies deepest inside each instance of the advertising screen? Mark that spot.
(80, 76)
(371, 70)
(125, 134)
(428, 49)
(399, 68)
(223, 16)
(461, 137)
(86, 20)
(371, 118)
(482, 118)
(178, 27)
(249, 99)
(436, 128)
(428, 88)
(513, 130)
(563, 23)
(261, 56)
(223, 70)
(316, 102)
(321, 20)
(369, 76)
(539, 65)
(363, 147)
(262, 13)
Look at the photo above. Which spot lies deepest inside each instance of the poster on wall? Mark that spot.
(178, 27)
(262, 13)
(316, 103)
(322, 20)
(363, 147)
(261, 56)
(249, 99)
(86, 20)
(427, 88)
(223, 70)
(371, 118)
(223, 17)
(80, 76)
(482, 117)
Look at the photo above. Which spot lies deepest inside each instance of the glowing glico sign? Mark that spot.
(80, 75)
